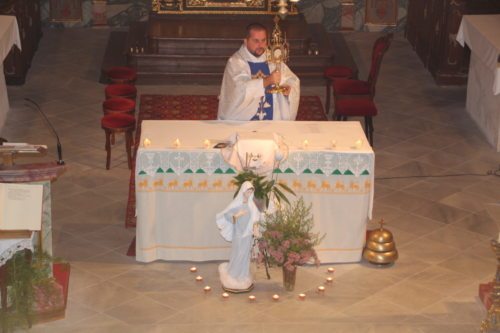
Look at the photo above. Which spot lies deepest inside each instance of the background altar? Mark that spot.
(179, 191)
(481, 33)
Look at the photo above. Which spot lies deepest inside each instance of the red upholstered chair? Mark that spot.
(349, 88)
(118, 123)
(357, 107)
(118, 105)
(121, 90)
(121, 75)
(332, 73)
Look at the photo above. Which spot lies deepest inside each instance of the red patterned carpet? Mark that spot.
(194, 107)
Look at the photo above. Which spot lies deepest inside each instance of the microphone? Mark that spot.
(59, 148)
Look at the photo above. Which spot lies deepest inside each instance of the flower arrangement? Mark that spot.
(287, 239)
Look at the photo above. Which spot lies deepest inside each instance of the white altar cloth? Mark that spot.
(9, 36)
(180, 190)
(481, 33)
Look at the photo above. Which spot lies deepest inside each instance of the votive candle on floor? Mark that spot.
(193, 269)
(276, 297)
(329, 279)
(225, 295)
(331, 270)
(252, 298)
(302, 297)
(207, 289)
(199, 278)
(321, 289)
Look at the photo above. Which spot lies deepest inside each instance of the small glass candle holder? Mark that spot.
(276, 297)
(329, 279)
(193, 269)
(302, 297)
(207, 289)
(252, 298)
(198, 278)
(331, 270)
(225, 295)
(321, 289)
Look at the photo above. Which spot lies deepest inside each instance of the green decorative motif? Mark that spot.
(348, 173)
(337, 172)
(307, 171)
(200, 171)
(170, 170)
(365, 173)
(218, 171)
(277, 170)
(230, 171)
(142, 173)
(288, 170)
(319, 172)
(159, 170)
(188, 171)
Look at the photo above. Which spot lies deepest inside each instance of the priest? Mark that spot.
(247, 78)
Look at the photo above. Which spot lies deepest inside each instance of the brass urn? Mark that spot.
(380, 248)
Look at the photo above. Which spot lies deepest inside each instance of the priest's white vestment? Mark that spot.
(241, 94)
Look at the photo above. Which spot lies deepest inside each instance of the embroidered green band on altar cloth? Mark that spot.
(210, 162)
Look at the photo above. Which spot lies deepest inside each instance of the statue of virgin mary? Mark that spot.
(236, 224)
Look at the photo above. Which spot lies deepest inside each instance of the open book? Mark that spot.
(20, 209)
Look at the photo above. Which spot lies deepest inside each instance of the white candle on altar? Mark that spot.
(177, 143)
(147, 142)
(305, 144)
(358, 143)
(206, 144)
(334, 143)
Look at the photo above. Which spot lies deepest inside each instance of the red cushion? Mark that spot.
(355, 107)
(115, 90)
(351, 87)
(334, 72)
(118, 104)
(117, 120)
(122, 73)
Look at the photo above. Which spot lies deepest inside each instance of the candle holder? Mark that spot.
(492, 320)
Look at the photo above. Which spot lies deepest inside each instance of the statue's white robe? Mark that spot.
(240, 94)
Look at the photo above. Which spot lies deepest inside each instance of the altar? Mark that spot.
(182, 182)
(480, 32)
(9, 36)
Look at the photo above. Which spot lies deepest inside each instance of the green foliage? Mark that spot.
(263, 187)
(288, 238)
(22, 277)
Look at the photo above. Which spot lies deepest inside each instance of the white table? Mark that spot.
(179, 191)
(481, 33)
(9, 36)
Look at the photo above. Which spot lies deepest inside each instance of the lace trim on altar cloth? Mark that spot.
(303, 162)
(9, 247)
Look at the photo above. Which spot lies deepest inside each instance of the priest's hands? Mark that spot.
(273, 78)
(286, 90)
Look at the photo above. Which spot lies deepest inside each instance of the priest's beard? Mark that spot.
(258, 52)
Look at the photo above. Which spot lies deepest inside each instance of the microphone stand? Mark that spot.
(47, 121)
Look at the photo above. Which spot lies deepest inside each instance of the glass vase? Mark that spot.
(289, 278)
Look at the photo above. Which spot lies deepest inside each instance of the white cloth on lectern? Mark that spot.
(235, 274)
(241, 94)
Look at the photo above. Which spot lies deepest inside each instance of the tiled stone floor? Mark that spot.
(442, 226)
